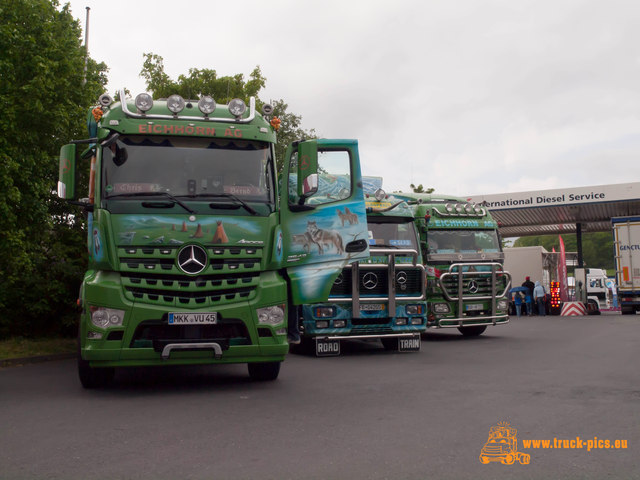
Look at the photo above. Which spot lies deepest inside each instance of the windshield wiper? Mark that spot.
(154, 194)
(244, 204)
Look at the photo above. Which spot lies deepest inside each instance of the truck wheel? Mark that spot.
(93, 377)
(390, 344)
(472, 331)
(510, 459)
(261, 372)
(593, 308)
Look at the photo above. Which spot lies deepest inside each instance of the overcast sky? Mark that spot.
(469, 97)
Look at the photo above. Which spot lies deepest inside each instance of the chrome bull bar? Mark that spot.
(390, 266)
(457, 270)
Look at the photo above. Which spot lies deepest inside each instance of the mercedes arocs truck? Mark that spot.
(194, 249)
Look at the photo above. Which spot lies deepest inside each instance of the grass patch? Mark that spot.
(25, 347)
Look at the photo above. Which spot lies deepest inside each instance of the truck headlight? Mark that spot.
(401, 321)
(325, 312)
(502, 305)
(414, 309)
(103, 317)
(271, 315)
(339, 323)
(440, 308)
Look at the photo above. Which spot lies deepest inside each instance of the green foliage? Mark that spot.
(421, 189)
(597, 247)
(290, 130)
(223, 89)
(44, 105)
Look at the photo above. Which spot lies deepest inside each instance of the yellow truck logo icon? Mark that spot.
(502, 446)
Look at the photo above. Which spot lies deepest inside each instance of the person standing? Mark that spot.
(539, 295)
(518, 303)
(529, 284)
(528, 303)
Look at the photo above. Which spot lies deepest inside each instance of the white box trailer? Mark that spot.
(523, 262)
(626, 244)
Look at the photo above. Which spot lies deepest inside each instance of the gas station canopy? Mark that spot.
(567, 210)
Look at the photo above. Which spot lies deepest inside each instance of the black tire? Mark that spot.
(390, 344)
(261, 372)
(593, 308)
(91, 377)
(472, 331)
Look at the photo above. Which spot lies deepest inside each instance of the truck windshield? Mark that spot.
(463, 241)
(188, 167)
(392, 235)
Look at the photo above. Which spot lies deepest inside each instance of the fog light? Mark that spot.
(271, 315)
(401, 321)
(325, 312)
(106, 317)
(416, 321)
(502, 305)
(440, 308)
(94, 335)
(175, 103)
(143, 101)
(339, 323)
(206, 104)
(322, 324)
(414, 309)
(281, 331)
(237, 107)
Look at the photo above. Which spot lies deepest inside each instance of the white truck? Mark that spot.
(626, 244)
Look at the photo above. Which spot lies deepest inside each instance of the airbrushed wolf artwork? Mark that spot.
(195, 255)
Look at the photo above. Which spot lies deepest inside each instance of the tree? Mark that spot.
(44, 105)
(223, 89)
(597, 247)
(420, 189)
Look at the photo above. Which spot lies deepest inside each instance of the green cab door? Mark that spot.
(323, 216)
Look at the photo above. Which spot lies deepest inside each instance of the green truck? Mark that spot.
(196, 254)
(382, 297)
(467, 286)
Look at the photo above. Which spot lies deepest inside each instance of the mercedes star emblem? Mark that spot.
(370, 281)
(192, 259)
(473, 286)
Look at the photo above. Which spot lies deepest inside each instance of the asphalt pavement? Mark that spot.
(368, 414)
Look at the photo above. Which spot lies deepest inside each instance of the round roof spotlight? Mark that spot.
(206, 104)
(175, 103)
(459, 207)
(478, 209)
(468, 208)
(105, 100)
(380, 194)
(267, 109)
(449, 207)
(144, 102)
(237, 107)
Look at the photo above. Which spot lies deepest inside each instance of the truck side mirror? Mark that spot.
(307, 169)
(67, 172)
